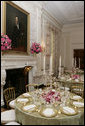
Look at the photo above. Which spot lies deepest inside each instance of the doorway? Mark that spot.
(79, 55)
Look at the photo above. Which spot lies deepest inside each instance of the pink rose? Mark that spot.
(2, 39)
(2, 47)
(6, 44)
(8, 40)
(32, 52)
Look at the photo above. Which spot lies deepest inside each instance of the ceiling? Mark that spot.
(65, 12)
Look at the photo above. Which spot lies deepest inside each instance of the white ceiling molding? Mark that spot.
(49, 17)
(66, 12)
(71, 27)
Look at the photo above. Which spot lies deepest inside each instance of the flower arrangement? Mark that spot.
(36, 48)
(75, 76)
(51, 96)
(5, 42)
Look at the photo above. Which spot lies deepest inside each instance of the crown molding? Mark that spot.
(48, 16)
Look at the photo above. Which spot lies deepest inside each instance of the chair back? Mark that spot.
(31, 87)
(27, 87)
(9, 95)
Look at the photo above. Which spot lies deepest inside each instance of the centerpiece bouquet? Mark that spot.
(36, 48)
(51, 96)
(75, 76)
(5, 42)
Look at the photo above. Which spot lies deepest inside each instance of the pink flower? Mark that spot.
(8, 40)
(32, 52)
(75, 76)
(47, 99)
(35, 47)
(2, 39)
(2, 47)
(5, 42)
(51, 95)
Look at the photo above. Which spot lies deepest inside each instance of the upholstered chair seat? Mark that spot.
(12, 123)
(8, 116)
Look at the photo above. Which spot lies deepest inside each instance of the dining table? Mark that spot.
(31, 108)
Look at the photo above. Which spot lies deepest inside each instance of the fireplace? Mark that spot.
(17, 78)
(19, 64)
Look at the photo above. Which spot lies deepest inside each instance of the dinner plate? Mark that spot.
(26, 95)
(48, 112)
(22, 100)
(68, 111)
(29, 108)
(76, 97)
(78, 104)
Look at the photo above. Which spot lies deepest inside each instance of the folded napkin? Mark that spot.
(26, 94)
(76, 97)
(78, 104)
(22, 100)
(76, 80)
(27, 107)
(68, 110)
(48, 112)
(53, 90)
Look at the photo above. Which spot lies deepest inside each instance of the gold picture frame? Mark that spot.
(18, 13)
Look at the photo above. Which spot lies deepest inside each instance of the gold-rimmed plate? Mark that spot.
(48, 112)
(26, 95)
(76, 97)
(78, 104)
(22, 100)
(68, 110)
(29, 108)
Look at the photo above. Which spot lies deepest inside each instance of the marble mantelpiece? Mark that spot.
(16, 61)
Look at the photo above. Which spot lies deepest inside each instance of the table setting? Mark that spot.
(49, 104)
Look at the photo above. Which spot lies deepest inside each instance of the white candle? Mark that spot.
(59, 65)
(44, 65)
(59, 71)
(75, 62)
(79, 63)
(50, 64)
(37, 24)
(60, 61)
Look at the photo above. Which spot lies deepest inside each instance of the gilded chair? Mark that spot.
(29, 86)
(9, 95)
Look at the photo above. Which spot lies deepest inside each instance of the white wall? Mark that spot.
(72, 38)
(35, 10)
